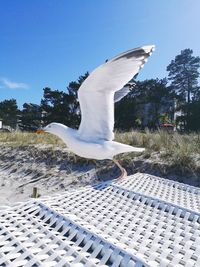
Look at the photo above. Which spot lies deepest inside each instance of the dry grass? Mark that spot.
(161, 141)
(181, 152)
(24, 139)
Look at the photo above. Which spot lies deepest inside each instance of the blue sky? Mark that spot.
(52, 42)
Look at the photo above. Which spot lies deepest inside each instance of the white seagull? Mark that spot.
(97, 94)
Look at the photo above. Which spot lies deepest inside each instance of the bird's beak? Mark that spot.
(40, 131)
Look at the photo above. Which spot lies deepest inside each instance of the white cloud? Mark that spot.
(13, 85)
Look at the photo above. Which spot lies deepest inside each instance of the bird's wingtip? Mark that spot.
(149, 48)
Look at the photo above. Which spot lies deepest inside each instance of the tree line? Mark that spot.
(150, 103)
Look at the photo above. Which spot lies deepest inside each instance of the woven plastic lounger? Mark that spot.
(140, 221)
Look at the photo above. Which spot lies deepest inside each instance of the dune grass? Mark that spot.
(181, 151)
(162, 141)
(26, 138)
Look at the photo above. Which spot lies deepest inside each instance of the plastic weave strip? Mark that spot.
(118, 224)
(163, 189)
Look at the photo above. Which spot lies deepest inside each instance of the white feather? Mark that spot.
(96, 95)
(94, 137)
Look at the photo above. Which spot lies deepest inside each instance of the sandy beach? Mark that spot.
(50, 170)
(54, 169)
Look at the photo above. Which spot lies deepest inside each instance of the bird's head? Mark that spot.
(63, 132)
(53, 128)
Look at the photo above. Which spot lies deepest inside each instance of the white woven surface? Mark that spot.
(140, 221)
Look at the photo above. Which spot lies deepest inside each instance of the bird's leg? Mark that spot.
(123, 171)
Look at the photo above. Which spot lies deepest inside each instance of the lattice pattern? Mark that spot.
(118, 224)
(163, 189)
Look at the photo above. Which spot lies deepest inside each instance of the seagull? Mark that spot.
(105, 85)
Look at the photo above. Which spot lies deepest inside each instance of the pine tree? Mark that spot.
(9, 112)
(183, 74)
(63, 107)
(31, 117)
(146, 102)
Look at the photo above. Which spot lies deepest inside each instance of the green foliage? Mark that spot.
(146, 101)
(31, 117)
(165, 118)
(59, 107)
(138, 122)
(9, 112)
(183, 74)
(125, 113)
(63, 107)
(75, 85)
(149, 104)
(193, 118)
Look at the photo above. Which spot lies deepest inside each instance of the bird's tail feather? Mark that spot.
(123, 148)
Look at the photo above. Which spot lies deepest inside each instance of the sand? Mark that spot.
(54, 170)
(49, 169)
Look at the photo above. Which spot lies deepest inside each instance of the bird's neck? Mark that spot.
(65, 133)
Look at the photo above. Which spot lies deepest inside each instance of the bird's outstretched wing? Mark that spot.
(123, 92)
(96, 94)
